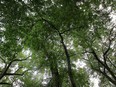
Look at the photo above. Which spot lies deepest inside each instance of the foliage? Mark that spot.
(48, 36)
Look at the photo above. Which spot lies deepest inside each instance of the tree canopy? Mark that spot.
(42, 41)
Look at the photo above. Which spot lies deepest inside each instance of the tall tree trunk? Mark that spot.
(54, 70)
(68, 62)
(55, 74)
(66, 52)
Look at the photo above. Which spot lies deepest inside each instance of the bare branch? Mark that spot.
(4, 83)
(4, 72)
(107, 76)
(104, 65)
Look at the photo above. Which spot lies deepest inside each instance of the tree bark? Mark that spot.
(68, 62)
(53, 69)
(55, 75)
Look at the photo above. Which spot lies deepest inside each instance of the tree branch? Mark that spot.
(21, 74)
(4, 72)
(104, 65)
(108, 77)
(4, 83)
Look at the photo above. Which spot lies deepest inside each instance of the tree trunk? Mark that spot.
(54, 70)
(68, 62)
(55, 75)
(66, 53)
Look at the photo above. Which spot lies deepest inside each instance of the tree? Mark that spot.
(99, 46)
(57, 33)
(10, 55)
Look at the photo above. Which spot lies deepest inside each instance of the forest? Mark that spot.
(57, 43)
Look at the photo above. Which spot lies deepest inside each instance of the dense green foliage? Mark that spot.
(41, 42)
